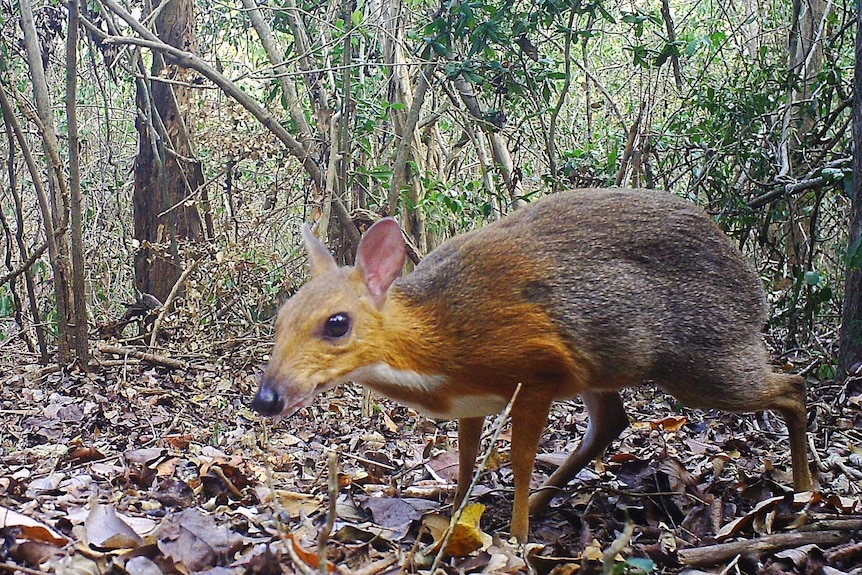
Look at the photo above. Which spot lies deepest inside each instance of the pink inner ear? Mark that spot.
(381, 256)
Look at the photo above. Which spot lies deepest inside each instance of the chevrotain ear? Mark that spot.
(319, 258)
(380, 257)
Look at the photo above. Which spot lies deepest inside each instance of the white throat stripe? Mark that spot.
(383, 373)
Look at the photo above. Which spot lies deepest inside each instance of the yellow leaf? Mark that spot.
(593, 552)
(390, 425)
(467, 536)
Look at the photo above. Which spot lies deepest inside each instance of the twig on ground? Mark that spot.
(38, 374)
(15, 568)
(117, 362)
(143, 356)
(483, 465)
(376, 566)
(812, 448)
(730, 566)
(712, 554)
(323, 537)
(361, 459)
(617, 547)
(407, 566)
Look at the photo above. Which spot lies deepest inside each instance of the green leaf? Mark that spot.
(605, 14)
(827, 371)
(717, 38)
(452, 70)
(439, 48)
(381, 174)
(395, 105)
(640, 56)
(632, 18)
(812, 277)
(643, 564)
(6, 305)
(670, 49)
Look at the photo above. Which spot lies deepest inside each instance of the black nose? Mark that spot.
(267, 401)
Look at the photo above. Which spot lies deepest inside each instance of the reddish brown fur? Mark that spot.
(580, 293)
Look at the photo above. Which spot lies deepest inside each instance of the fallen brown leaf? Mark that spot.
(29, 528)
(103, 530)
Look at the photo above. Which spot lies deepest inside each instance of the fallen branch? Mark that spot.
(143, 356)
(828, 524)
(712, 554)
(434, 492)
(846, 554)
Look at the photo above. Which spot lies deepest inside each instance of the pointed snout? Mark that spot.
(268, 400)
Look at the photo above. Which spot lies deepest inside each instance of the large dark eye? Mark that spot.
(337, 326)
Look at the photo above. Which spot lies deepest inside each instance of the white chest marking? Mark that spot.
(385, 374)
(472, 406)
(382, 375)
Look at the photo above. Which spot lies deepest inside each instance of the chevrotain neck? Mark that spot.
(415, 336)
(484, 339)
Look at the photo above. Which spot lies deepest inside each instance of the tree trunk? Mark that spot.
(76, 199)
(850, 335)
(54, 204)
(402, 91)
(167, 174)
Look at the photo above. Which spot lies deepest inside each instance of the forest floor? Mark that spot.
(142, 469)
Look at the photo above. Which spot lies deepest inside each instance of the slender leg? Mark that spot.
(469, 434)
(529, 418)
(607, 419)
(791, 405)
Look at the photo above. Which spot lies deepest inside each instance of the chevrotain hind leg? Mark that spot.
(788, 393)
(607, 419)
(469, 434)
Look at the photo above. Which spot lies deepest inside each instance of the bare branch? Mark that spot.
(399, 168)
(267, 39)
(31, 259)
(189, 60)
(809, 182)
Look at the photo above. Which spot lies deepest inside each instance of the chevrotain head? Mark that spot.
(333, 324)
